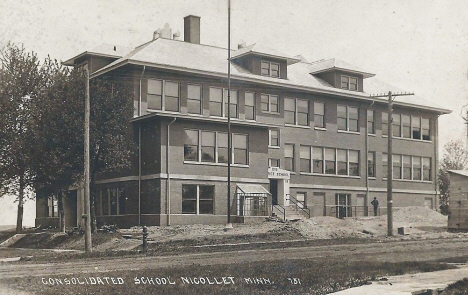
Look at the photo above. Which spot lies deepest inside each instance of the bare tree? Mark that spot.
(455, 158)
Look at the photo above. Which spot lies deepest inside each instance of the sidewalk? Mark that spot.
(411, 284)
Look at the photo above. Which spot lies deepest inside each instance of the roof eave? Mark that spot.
(364, 74)
(289, 60)
(363, 96)
(71, 61)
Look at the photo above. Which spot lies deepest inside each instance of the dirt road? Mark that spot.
(421, 250)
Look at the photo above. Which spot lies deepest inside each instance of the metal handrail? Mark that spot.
(280, 209)
(296, 202)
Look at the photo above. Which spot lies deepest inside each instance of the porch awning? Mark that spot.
(251, 189)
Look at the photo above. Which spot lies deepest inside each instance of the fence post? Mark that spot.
(145, 239)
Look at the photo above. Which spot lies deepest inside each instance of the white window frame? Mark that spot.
(296, 112)
(254, 105)
(349, 82)
(269, 138)
(163, 94)
(269, 68)
(198, 200)
(199, 155)
(201, 98)
(224, 102)
(269, 103)
(347, 118)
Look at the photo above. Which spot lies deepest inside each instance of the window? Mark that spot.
(416, 127)
(406, 167)
(370, 122)
(208, 145)
(350, 83)
(274, 138)
(406, 126)
(396, 125)
(212, 147)
(163, 95)
(348, 118)
(273, 162)
(318, 160)
(371, 164)
(216, 102)
(270, 103)
(296, 111)
(353, 163)
(384, 123)
(342, 162)
(197, 199)
(194, 99)
(223, 151)
(250, 106)
(191, 145)
(384, 165)
(240, 154)
(270, 69)
(426, 132)
(330, 160)
(289, 157)
(396, 166)
(426, 169)
(416, 168)
(52, 207)
(219, 103)
(304, 155)
(111, 201)
(319, 114)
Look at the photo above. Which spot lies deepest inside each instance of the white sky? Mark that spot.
(419, 46)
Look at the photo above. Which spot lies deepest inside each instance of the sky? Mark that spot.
(419, 46)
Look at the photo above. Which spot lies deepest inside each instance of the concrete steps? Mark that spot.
(294, 214)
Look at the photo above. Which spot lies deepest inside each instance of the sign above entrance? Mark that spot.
(277, 173)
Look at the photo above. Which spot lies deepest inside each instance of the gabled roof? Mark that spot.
(336, 64)
(105, 50)
(262, 50)
(460, 172)
(210, 60)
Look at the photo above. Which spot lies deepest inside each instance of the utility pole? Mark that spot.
(229, 224)
(390, 96)
(87, 215)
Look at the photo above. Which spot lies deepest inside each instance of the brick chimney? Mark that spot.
(192, 29)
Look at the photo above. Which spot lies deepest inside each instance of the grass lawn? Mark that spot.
(318, 276)
(458, 288)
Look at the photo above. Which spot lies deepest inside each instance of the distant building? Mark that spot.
(458, 205)
(299, 133)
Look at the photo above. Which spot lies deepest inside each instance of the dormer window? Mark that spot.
(270, 69)
(349, 83)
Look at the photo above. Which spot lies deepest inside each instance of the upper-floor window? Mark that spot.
(270, 103)
(296, 111)
(163, 95)
(304, 155)
(408, 167)
(272, 162)
(371, 164)
(319, 114)
(271, 69)
(370, 122)
(332, 161)
(348, 118)
(250, 106)
(212, 147)
(219, 103)
(405, 126)
(289, 157)
(350, 83)
(194, 99)
(274, 138)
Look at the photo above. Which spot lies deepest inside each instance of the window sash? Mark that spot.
(270, 103)
(198, 199)
(249, 106)
(347, 118)
(371, 164)
(163, 95)
(194, 99)
(370, 122)
(274, 137)
(289, 157)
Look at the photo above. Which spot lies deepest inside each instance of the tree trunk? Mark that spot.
(61, 212)
(19, 219)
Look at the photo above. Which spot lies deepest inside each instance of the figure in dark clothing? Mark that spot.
(375, 203)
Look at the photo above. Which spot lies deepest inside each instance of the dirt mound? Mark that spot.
(415, 214)
(328, 228)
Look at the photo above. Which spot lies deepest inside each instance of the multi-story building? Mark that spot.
(302, 132)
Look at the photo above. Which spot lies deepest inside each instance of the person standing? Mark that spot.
(375, 203)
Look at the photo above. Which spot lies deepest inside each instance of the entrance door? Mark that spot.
(343, 205)
(274, 191)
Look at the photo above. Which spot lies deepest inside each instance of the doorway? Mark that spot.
(343, 205)
(274, 191)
